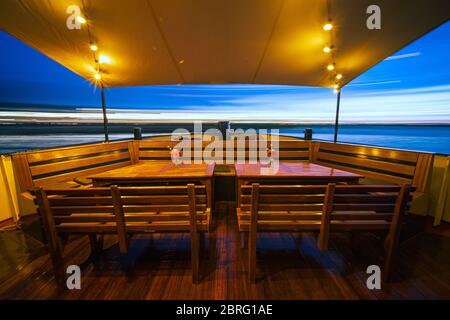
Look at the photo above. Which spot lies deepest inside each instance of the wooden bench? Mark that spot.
(123, 212)
(164, 209)
(378, 164)
(67, 167)
(288, 150)
(67, 211)
(323, 209)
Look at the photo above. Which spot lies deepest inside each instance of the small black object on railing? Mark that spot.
(137, 133)
(308, 134)
(223, 126)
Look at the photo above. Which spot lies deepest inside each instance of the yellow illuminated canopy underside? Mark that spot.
(152, 42)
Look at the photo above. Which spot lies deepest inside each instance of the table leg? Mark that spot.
(239, 183)
(209, 193)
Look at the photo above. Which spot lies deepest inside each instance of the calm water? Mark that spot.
(433, 138)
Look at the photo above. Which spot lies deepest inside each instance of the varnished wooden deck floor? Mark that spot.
(289, 267)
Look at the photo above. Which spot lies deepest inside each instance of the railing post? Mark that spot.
(336, 123)
(105, 119)
(308, 134)
(223, 126)
(137, 132)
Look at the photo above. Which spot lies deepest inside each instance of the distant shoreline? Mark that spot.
(173, 123)
(51, 128)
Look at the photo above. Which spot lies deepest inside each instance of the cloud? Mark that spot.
(403, 56)
(422, 104)
(372, 83)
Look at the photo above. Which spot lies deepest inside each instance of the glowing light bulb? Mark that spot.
(93, 47)
(327, 27)
(97, 76)
(336, 86)
(81, 20)
(336, 91)
(326, 49)
(330, 67)
(339, 76)
(104, 59)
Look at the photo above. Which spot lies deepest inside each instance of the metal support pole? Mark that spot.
(336, 123)
(105, 119)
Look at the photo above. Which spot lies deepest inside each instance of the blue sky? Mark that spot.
(411, 86)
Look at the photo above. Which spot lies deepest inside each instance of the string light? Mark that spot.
(339, 76)
(326, 49)
(97, 76)
(93, 47)
(330, 67)
(81, 20)
(336, 86)
(104, 59)
(327, 26)
(336, 91)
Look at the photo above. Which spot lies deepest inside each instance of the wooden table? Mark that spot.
(159, 172)
(292, 173)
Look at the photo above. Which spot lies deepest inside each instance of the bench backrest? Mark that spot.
(390, 165)
(46, 167)
(161, 209)
(296, 150)
(73, 210)
(283, 207)
(324, 208)
(123, 210)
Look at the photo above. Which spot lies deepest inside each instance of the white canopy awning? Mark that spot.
(154, 42)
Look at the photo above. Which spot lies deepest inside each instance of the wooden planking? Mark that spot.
(279, 226)
(103, 218)
(160, 275)
(80, 201)
(157, 144)
(22, 172)
(166, 190)
(155, 154)
(364, 207)
(161, 208)
(299, 144)
(293, 154)
(72, 175)
(178, 226)
(288, 226)
(423, 169)
(79, 192)
(168, 144)
(68, 210)
(39, 156)
(285, 207)
(133, 150)
(376, 162)
(288, 149)
(78, 163)
(359, 225)
(286, 189)
(369, 164)
(367, 188)
(408, 156)
(367, 174)
(365, 198)
(161, 199)
(85, 218)
(361, 216)
(339, 198)
(163, 217)
(307, 215)
(284, 198)
(126, 200)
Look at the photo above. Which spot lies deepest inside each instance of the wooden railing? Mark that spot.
(67, 166)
